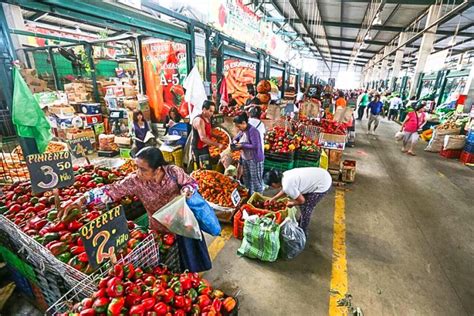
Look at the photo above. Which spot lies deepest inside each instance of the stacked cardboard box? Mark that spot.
(34, 83)
(77, 92)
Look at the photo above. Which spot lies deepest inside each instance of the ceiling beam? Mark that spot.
(350, 49)
(349, 55)
(352, 40)
(411, 2)
(354, 25)
(305, 26)
(37, 16)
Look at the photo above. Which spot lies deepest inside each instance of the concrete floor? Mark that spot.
(409, 239)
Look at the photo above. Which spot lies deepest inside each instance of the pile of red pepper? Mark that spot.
(332, 127)
(37, 216)
(128, 290)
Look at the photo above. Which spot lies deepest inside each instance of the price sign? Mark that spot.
(50, 170)
(235, 197)
(104, 236)
(80, 147)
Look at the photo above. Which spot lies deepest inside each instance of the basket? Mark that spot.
(466, 157)
(144, 255)
(239, 222)
(450, 153)
(278, 165)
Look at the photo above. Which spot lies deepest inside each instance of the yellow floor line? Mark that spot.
(339, 261)
(219, 242)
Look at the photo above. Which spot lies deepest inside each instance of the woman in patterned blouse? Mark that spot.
(155, 183)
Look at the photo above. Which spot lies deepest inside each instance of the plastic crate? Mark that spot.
(306, 163)
(280, 157)
(450, 153)
(469, 148)
(470, 136)
(466, 157)
(181, 129)
(239, 222)
(257, 197)
(278, 165)
(308, 156)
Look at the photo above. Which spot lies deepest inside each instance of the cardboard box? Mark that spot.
(335, 159)
(91, 119)
(123, 141)
(89, 133)
(62, 110)
(129, 91)
(28, 72)
(131, 104)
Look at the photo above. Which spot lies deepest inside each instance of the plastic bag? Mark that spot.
(204, 214)
(179, 219)
(261, 239)
(324, 160)
(398, 136)
(292, 237)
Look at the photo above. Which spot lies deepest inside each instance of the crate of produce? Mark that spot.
(278, 165)
(466, 157)
(335, 159)
(280, 157)
(469, 148)
(306, 163)
(348, 171)
(260, 202)
(450, 153)
(239, 221)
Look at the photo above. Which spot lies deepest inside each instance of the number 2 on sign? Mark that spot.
(48, 171)
(101, 255)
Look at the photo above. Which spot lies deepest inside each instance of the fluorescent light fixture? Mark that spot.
(368, 37)
(377, 21)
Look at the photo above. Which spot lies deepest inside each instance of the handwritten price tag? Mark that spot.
(50, 170)
(235, 197)
(104, 236)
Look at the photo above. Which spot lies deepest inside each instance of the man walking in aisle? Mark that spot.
(362, 102)
(375, 107)
(395, 104)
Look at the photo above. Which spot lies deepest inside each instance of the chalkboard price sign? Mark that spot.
(80, 147)
(50, 170)
(104, 236)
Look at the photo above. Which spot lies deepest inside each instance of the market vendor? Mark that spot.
(202, 133)
(304, 186)
(140, 131)
(172, 119)
(155, 183)
(251, 156)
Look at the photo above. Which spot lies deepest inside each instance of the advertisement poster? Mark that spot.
(239, 74)
(164, 69)
(237, 20)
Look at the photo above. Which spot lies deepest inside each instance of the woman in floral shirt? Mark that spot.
(155, 184)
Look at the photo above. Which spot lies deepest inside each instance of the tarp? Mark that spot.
(27, 116)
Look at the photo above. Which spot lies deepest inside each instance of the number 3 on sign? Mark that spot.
(48, 171)
(101, 255)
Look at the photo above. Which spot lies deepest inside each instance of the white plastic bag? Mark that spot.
(179, 219)
(398, 136)
(292, 237)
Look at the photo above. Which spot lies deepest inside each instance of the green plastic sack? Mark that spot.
(261, 239)
(27, 115)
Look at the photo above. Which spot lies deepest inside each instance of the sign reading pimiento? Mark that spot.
(50, 171)
(80, 147)
(104, 236)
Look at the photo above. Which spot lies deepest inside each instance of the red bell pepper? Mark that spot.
(98, 294)
(115, 290)
(100, 304)
(117, 271)
(83, 257)
(114, 280)
(87, 312)
(115, 306)
(203, 301)
(87, 302)
(161, 308)
(74, 226)
(179, 312)
(186, 282)
(129, 271)
(138, 273)
(75, 250)
(137, 310)
(179, 301)
(229, 304)
(167, 295)
(148, 303)
(217, 304)
(150, 280)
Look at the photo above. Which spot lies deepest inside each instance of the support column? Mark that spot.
(384, 69)
(397, 63)
(426, 46)
(14, 19)
(469, 90)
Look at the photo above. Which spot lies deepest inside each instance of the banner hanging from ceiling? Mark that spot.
(236, 20)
